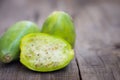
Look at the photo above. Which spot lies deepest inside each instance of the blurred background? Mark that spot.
(97, 24)
(94, 19)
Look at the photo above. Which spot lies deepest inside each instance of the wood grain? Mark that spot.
(98, 36)
(97, 49)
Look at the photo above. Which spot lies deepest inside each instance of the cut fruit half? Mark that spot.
(44, 53)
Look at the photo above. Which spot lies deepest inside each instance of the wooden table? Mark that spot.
(97, 48)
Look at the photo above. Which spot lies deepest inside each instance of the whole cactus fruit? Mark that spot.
(60, 24)
(10, 40)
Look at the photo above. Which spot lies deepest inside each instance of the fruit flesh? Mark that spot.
(44, 53)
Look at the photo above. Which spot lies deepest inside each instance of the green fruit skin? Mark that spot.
(60, 24)
(10, 40)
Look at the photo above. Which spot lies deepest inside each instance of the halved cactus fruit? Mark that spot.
(10, 40)
(43, 53)
(60, 24)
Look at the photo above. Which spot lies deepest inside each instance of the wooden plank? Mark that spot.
(16, 71)
(98, 36)
(33, 10)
